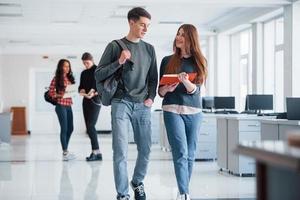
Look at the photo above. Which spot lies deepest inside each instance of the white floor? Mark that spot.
(31, 168)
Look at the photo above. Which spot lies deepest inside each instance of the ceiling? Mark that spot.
(74, 23)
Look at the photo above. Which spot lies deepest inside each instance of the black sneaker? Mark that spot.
(126, 197)
(94, 157)
(139, 191)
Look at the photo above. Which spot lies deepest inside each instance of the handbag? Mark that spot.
(108, 87)
(50, 99)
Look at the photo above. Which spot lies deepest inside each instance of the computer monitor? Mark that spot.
(224, 102)
(207, 103)
(293, 108)
(259, 102)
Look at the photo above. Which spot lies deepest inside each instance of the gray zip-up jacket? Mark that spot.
(139, 77)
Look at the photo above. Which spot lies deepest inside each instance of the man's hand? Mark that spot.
(148, 102)
(125, 55)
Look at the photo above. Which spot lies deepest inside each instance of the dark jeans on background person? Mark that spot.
(91, 112)
(65, 118)
(182, 131)
(125, 113)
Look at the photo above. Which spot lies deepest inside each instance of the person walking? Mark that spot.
(131, 104)
(181, 103)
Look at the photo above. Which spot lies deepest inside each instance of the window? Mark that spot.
(241, 53)
(273, 62)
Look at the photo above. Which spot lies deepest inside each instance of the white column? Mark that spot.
(235, 68)
(291, 50)
(222, 66)
(257, 58)
(210, 84)
(1, 74)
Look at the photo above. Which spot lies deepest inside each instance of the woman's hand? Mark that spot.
(58, 95)
(163, 90)
(184, 78)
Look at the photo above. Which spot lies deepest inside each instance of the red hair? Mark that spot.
(192, 47)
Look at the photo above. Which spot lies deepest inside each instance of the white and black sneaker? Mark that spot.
(68, 156)
(139, 191)
(183, 197)
(126, 197)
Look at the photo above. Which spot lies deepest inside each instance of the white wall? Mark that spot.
(222, 67)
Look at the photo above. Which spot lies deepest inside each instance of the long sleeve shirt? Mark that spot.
(52, 92)
(139, 79)
(88, 82)
(180, 100)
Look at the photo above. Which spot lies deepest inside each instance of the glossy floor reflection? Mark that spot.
(31, 168)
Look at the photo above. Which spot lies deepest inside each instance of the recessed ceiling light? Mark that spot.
(18, 41)
(10, 5)
(11, 15)
(171, 22)
(10, 10)
(65, 22)
(72, 57)
(122, 11)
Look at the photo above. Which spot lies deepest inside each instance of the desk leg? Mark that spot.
(261, 181)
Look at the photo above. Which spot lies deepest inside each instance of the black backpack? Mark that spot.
(108, 87)
(49, 99)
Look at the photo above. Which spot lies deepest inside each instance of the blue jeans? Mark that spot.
(125, 112)
(182, 132)
(65, 118)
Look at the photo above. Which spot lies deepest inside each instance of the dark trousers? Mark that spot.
(91, 113)
(65, 118)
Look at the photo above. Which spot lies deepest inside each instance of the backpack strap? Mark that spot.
(120, 71)
(122, 44)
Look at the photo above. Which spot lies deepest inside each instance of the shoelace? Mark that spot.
(140, 190)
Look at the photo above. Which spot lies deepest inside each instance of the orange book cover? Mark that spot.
(168, 79)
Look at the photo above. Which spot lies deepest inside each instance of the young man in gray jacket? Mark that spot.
(132, 101)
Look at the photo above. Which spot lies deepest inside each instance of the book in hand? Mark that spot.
(71, 91)
(169, 79)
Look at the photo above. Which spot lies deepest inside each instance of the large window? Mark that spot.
(273, 62)
(241, 56)
(245, 63)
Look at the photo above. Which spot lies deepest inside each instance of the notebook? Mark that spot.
(71, 91)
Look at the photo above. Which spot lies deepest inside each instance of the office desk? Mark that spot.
(277, 169)
(206, 144)
(278, 129)
(5, 127)
(231, 130)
